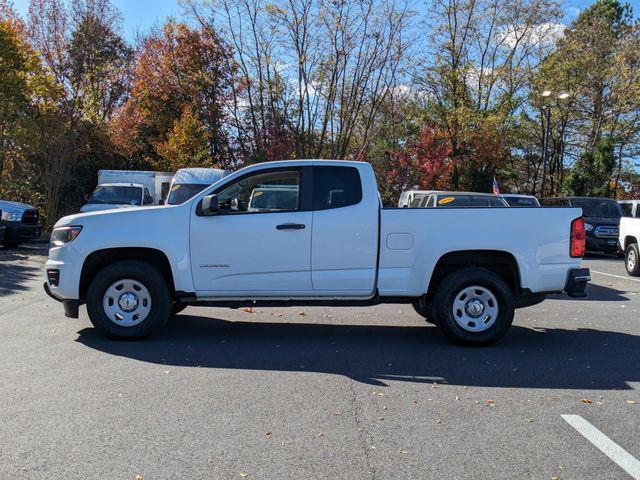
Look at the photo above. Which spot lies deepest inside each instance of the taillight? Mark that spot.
(578, 238)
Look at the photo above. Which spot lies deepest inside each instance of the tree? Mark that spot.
(176, 113)
(478, 58)
(86, 61)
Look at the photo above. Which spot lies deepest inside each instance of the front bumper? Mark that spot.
(71, 307)
(577, 285)
(20, 231)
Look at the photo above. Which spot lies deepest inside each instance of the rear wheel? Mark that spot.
(474, 306)
(129, 300)
(632, 260)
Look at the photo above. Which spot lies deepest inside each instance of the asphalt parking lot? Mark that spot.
(309, 393)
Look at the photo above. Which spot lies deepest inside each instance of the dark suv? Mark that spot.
(22, 222)
(601, 220)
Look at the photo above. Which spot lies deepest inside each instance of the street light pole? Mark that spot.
(545, 148)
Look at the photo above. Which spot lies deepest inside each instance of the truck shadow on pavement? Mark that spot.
(526, 357)
(597, 293)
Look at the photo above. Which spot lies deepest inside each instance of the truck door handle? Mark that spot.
(290, 226)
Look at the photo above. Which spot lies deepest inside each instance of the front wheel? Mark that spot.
(129, 300)
(426, 312)
(474, 306)
(632, 260)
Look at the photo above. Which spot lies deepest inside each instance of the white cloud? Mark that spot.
(544, 34)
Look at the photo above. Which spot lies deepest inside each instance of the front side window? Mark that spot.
(336, 187)
(627, 209)
(277, 191)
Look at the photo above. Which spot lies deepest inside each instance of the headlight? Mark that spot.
(63, 235)
(11, 216)
(588, 227)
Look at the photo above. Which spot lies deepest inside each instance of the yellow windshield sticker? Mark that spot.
(257, 194)
(445, 200)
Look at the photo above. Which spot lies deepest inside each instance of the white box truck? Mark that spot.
(128, 188)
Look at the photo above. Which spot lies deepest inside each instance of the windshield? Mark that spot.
(453, 200)
(598, 207)
(116, 195)
(521, 201)
(181, 192)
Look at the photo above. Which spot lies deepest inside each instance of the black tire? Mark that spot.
(177, 307)
(426, 313)
(150, 278)
(453, 285)
(632, 260)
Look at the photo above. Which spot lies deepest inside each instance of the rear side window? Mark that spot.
(335, 187)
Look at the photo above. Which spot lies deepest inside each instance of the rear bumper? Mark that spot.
(577, 285)
(608, 245)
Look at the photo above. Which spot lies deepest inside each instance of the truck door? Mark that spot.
(259, 244)
(345, 232)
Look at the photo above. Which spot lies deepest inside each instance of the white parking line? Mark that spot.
(617, 276)
(607, 446)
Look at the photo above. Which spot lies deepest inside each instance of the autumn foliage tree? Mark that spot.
(176, 113)
(425, 163)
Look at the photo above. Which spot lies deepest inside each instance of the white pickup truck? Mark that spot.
(464, 269)
(628, 238)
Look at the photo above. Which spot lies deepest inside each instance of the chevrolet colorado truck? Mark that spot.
(464, 269)
(628, 240)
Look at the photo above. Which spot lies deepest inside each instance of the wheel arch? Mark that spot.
(501, 262)
(628, 240)
(99, 259)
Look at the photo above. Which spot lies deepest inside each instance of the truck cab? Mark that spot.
(117, 195)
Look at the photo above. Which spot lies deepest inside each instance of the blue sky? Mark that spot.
(140, 15)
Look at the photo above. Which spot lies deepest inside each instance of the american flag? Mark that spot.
(496, 187)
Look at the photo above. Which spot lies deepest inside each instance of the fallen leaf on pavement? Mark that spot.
(268, 433)
(336, 414)
(631, 402)
(248, 309)
(242, 474)
(301, 314)
(586, 400)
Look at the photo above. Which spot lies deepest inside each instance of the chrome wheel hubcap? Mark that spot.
(475, 308)
(127, 302)
(631, 260)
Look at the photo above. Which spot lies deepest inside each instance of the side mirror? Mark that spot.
(210, 205)
(161, 201)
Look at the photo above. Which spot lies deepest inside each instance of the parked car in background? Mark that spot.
(412, 197)
(128, 188)
(630, 208)
(188, 182)
(461, 199)
(628, 239)
(3, 229)
(516, 200)
(601, 217)
(464, 269)
(22, 222)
